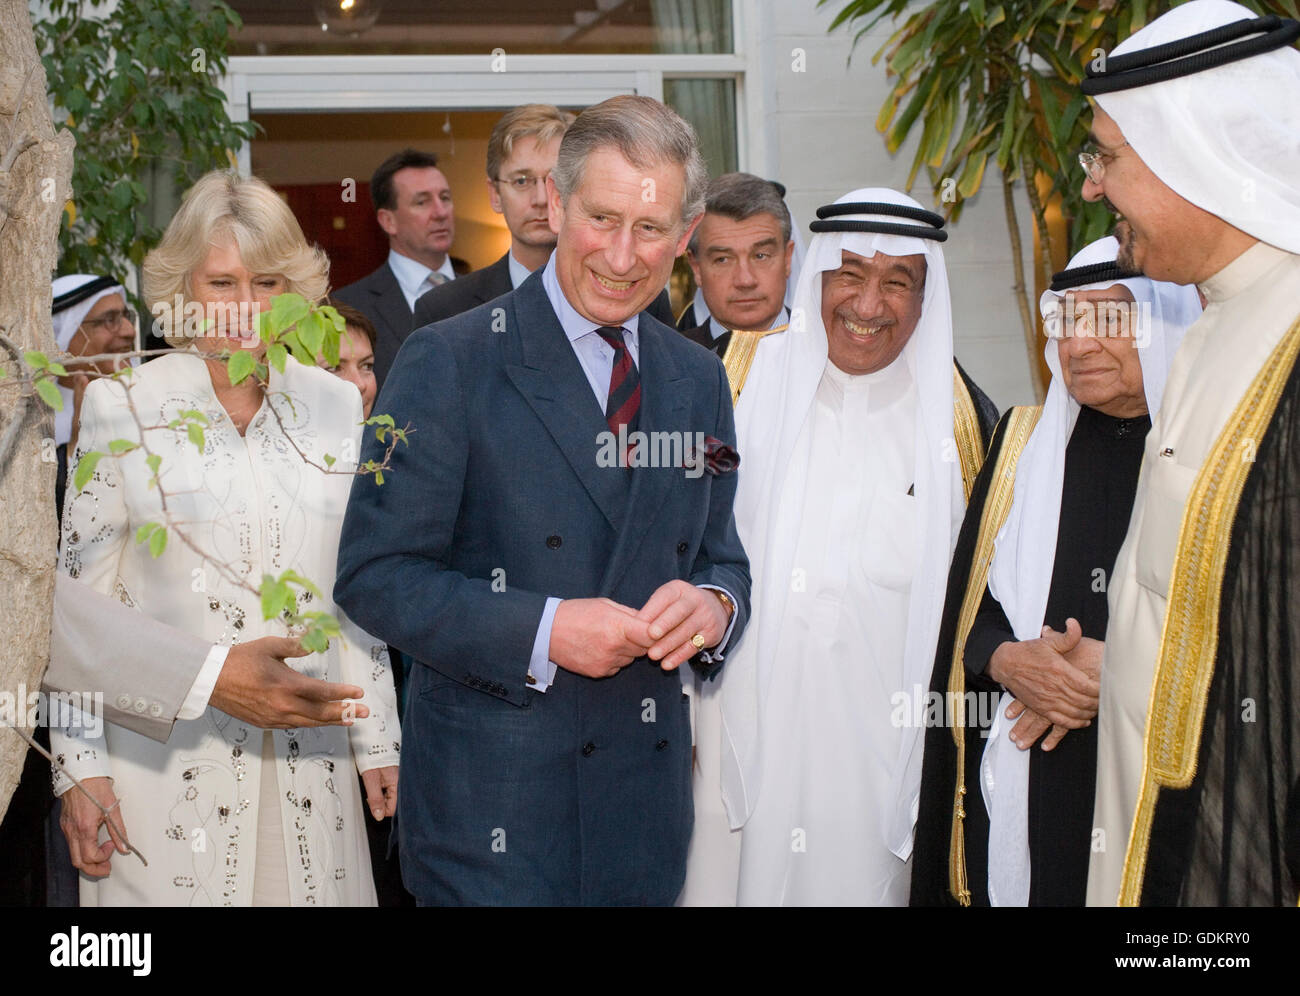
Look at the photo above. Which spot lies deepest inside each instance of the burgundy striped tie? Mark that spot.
(624, 383)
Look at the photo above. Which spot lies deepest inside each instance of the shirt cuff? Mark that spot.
(206, 680)
(541, 670)
(713, 655)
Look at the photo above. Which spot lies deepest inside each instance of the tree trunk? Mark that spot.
(35, 181)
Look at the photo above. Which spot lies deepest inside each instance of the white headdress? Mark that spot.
(777, 402)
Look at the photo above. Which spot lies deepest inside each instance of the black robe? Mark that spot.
(1101, 470)
(1232, 838)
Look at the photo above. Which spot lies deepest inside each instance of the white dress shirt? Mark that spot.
(413, 277)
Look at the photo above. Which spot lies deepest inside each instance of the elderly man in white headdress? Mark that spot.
(1197, 133)
(859, 438)
(1026, 612)
(91, 318)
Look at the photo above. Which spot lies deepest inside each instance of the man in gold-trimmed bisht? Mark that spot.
(1196, 129)
(1000, 823)
(859, 439)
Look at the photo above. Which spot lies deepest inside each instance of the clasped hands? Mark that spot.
(598, 637)
(1056, 681)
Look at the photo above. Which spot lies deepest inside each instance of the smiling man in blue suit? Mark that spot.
(548, 592)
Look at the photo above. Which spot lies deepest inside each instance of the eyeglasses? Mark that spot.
(1093, 161)
(521, 184)
(109, 320)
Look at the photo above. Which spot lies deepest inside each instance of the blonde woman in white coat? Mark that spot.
(226, 813)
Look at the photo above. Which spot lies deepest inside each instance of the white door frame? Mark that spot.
(322, 83)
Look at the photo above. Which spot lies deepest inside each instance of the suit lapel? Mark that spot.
(551, 380)
(665, 400)
(496, 282)
(390, 304)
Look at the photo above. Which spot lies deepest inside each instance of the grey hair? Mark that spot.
(646, 133)
(742, 195)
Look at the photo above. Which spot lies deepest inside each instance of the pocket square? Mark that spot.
(717, 457)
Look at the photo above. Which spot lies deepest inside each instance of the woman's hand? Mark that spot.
(381, 790)
(80, 821)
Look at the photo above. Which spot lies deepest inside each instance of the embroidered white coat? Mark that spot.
(253, 506)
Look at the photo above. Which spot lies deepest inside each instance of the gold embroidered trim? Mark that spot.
(1189, 637)
(740, 354)
(1020, 425)
(966, 432)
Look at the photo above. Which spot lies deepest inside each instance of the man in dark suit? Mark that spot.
(740, 254)
(549, 566)
(520, 155)
(413, 206)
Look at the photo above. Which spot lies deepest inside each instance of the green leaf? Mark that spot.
(49, 392)
(287, 310)
(36, 359)
(379, 477)
(275, 596)
(293, 577)
(57, 369)
(239, 366)
(277, 355)
(195, 433)
(329, 460)
(312, 334)
(145, 531)
(157, 542)
(119, 446)
(86, 469)
(315, 640)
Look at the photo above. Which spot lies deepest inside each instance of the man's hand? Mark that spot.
(258, 687)
(381, 790)
(676, 612)
(1031, 726)
(80, 821)
(596, 636)
(1038, 673)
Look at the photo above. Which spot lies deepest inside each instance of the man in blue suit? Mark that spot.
(548, 591)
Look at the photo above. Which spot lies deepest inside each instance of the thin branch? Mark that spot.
(108, 814)
(1022, 296)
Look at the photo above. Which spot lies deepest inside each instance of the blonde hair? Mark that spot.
(543, 122)
(223, 205)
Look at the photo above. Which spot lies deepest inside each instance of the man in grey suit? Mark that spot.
(413, 206)
(545, 563)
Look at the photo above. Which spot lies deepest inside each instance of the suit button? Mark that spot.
(588, 749)
(124, 702)
(140, 705)
(682, 548)
(661, 745)
(554, 541)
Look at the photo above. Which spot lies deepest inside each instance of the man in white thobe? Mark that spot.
(849, 501)
(1198, 757)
